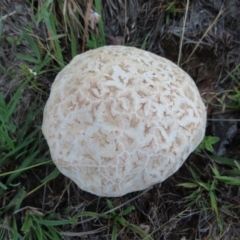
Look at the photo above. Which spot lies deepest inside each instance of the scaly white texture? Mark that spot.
(120, 119)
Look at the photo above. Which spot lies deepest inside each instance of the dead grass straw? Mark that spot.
(182, 36)
(86, 23)
(205, 33)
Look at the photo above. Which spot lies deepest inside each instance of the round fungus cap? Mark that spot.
(120, 119)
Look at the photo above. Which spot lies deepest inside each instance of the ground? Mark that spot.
(38, 38)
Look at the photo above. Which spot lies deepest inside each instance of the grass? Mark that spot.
(207, 144)
(203, 193)
(34, 206)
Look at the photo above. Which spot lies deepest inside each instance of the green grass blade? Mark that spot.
(27, 58)
(235, 172)
(27, 224)
(223, 160)
(42, 64)
(188, 185)
(110, 206)
(144, 44)
(194, 175)
(33, 44)
(229, 180)
(8, 140)
(27, 162)
(52, 233)
(16, 150)
(204, 185)
(15, 235)
(50, 23)
(144, 235)
(233, 77)
(37, 227)
(122, 221)
(101, 40)
(51, 176)
(215, 171)
(3, 186)
(11, 106)
(27, 168)
(17, 197)
(114, 233)
(3, 106)
(92, 215)
(213, 201)
(57, 222)
(126, 211)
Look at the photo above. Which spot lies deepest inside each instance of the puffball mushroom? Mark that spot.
(120, 119)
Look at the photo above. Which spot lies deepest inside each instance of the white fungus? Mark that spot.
(120, 119)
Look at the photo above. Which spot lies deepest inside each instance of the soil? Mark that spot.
(161, 209)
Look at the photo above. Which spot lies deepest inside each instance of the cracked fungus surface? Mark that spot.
(120, 119)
